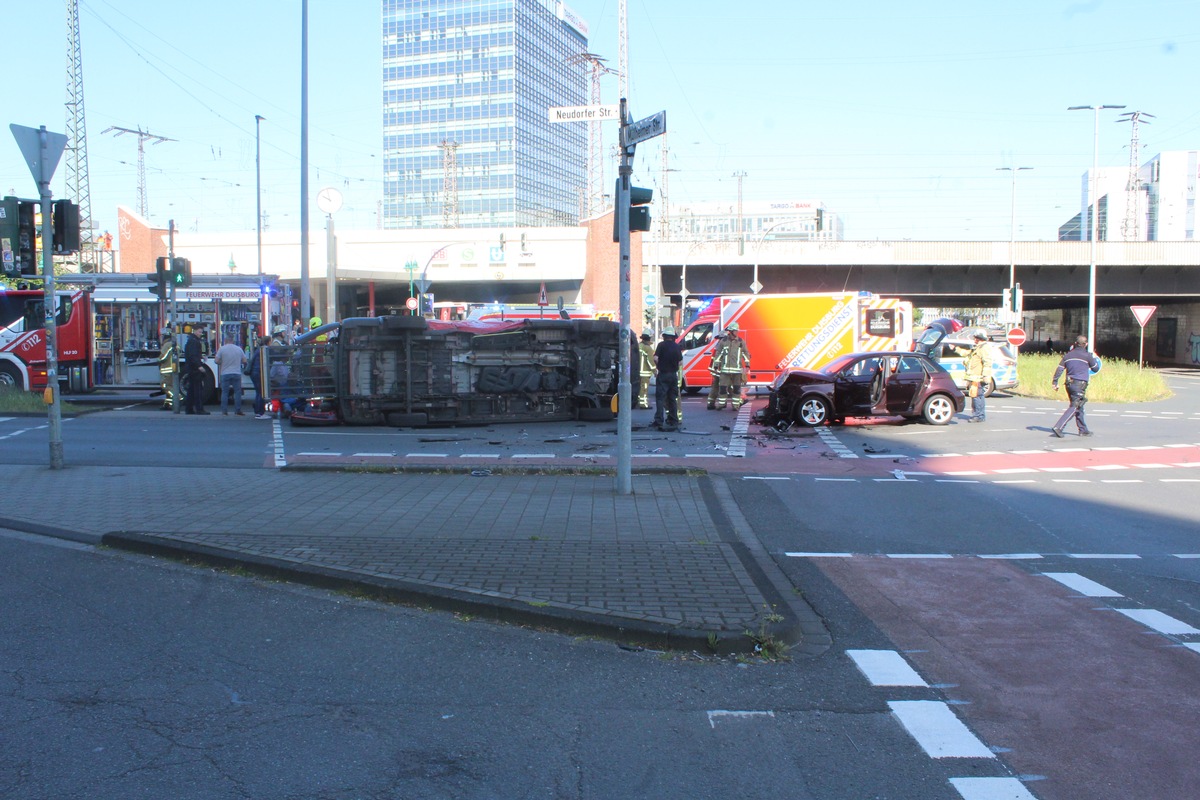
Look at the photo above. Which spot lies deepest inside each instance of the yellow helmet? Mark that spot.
(315, 322)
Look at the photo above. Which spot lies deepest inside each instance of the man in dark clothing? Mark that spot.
(193, 355)
(1078, 364)
(667, 356)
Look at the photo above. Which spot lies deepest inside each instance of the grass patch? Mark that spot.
(1118, 382)
(15, 401)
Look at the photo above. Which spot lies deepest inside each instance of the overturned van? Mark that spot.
(408, 371)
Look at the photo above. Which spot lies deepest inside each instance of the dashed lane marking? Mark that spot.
(886, 668)
(1085, 586)
(1158, 621)
(991, 789)
(937, 730)
(719, 715)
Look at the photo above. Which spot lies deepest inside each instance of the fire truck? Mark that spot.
(23, 339)
(109, 328)
(793, 330)
(407, 371)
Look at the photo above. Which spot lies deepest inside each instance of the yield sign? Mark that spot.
(1143, 313)
(41, 148)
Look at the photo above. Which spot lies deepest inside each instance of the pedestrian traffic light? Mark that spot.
(181, 272)
(427, 304)
(161, 278)
(66, 227)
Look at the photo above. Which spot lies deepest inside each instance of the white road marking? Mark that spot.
(886, 668)
(713, 716)
(918, 555)
(939, 732)
(533, 455)
(1085, 586)
(991, 789)
(372, 455)
(764, 478)
(480, 455)
(1102, 555)
(426, 455)
(1013, 555)
(1157, 620)
(819, 555)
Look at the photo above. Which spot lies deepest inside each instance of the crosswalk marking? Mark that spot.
(1158, 621)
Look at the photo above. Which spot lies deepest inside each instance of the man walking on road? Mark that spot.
(1079, 364)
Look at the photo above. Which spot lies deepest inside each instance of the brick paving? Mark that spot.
(663, 566)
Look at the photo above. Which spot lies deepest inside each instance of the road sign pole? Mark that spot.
(624, 476)
(42, 151)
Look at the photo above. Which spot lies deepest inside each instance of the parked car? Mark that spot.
(946, 343)
(893, 383)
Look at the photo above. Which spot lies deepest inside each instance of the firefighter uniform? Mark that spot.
(646, 369)
(730, 359)
(166, 368)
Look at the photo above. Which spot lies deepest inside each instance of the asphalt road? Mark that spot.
(1040, 592)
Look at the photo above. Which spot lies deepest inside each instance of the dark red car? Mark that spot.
(891, 383)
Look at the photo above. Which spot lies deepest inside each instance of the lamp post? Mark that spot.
(1093, 207)
(265, 310)
(1012, 229)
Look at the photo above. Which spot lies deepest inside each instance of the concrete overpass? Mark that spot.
(1053, 275)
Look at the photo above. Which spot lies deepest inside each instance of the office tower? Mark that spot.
(467, 88)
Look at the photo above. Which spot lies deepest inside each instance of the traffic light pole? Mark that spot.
(624, 476)
(51, 322)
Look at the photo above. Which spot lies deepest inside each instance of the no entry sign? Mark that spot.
(1016, 336)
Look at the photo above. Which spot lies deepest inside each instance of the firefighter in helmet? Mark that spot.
(167, 368)
(646, 368)
(731, 358)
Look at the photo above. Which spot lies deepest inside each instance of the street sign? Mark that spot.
(41, 164)
(542, 301)
(584, 113)
(411, 304)
(643, 129)
(1016, 336)
(1143, 313)
(650, 300)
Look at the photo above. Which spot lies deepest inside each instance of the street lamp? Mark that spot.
(1094, 210)
(258, 184)
(1012, 231)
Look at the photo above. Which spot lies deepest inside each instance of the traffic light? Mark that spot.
(1013, 298)
(26, 244)
(8, 237)
(427, 304)
(639, 215)
(66, 227)
(181, 272)
(161, 278)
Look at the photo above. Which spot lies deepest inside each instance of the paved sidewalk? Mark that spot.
(672, 565)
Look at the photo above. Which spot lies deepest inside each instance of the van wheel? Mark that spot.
(938, 410)
(991, 387)
(812, 411)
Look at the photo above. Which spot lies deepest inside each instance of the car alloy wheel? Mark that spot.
(939, 410)
(812, 411)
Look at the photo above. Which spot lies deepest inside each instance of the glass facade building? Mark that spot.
(467, 88)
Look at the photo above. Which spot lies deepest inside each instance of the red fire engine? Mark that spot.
(23, 339)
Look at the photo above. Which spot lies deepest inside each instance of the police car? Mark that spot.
(943, 339)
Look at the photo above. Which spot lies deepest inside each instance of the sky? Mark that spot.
(897, 117)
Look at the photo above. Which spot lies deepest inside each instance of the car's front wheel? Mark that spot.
(938, 410)
(812, 411)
